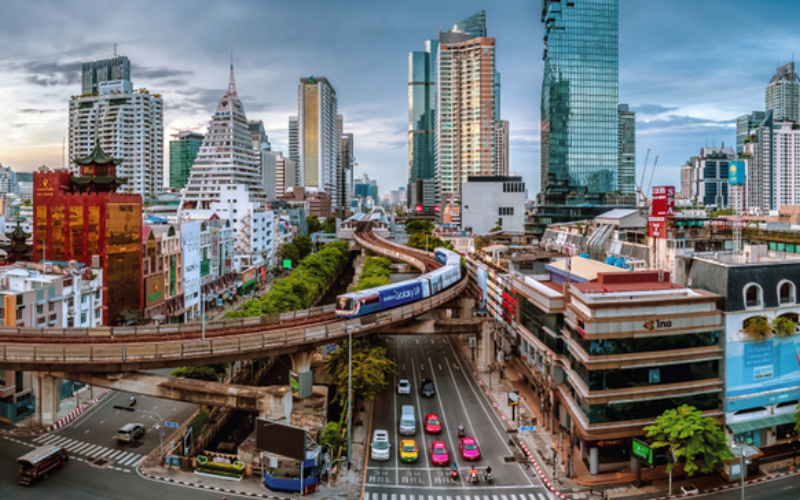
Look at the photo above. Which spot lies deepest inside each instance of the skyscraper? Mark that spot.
(106, 70)
(294, 148)
(783, 94)
(579, 129)
(746, 124)
(346, 170)
(182, 152)
(128, 124)
(466, 111)
(318, 139)
(501, 147)
(422, 70)
(226, 180)
(626, 150)
(266, 160)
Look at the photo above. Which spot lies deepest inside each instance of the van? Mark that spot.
(408, 422)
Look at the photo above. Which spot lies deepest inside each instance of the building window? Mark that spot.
(506, 210)
(753, 296)
(786, 292)
(83, 317)
(39, 309)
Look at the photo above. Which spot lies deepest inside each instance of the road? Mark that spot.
(458, 400)
(99, 466)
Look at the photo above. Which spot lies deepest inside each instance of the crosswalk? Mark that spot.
(121, 457)
(513, 496)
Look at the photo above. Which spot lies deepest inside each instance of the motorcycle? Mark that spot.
(489, 477)
(474, 479)
(131, 401)
(455, 472)
(461, 433)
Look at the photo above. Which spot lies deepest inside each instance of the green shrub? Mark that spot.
(199, 422)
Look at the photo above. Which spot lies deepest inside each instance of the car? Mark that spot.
(690, 489)
(403, 387)
(381, 448)
(439, 453)
(432, 424)
(426, 388)
(129, 433)
(470, 449)
(408, 450)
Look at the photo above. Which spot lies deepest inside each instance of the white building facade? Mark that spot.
(489, 202)
(128, 124)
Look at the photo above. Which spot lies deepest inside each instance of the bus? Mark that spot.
(39, 462)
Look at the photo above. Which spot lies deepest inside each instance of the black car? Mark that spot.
(426, 388)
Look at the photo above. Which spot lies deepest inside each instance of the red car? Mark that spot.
(470, 449)
(439, 453)
(432, 424)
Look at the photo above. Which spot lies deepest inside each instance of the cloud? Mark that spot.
(32, 111)
(665, 123)
(652, 109)
(47, 74)
(156, 73)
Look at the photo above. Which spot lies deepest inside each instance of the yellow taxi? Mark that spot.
(408, 450)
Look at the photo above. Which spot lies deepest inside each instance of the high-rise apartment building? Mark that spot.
(129, 125)
(226, 180)
(96, 72)
(182, 152)
(266, 160)
(294, 147)
(345, 177)
(783, 94)
(501, 147)
(773, 166)
(746, 124)
(579, 129)
(318, 137)
(626, 150)
(422, 70)
(466, 111)
(8, 181)
(284, 174)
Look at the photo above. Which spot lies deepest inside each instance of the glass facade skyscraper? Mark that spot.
(580, 92)
(421, 111)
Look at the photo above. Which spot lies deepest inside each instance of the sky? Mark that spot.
(687, 67)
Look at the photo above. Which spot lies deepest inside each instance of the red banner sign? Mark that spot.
(663, 201)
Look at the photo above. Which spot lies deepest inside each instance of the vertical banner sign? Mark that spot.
(736, 173)
(663, 206)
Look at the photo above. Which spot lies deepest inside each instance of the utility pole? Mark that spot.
(349, 402)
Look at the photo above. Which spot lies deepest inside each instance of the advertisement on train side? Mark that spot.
(402, 295)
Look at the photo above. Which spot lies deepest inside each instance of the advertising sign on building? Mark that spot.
(765, 370)
(663, 201)
(657, 227)
(402, 295)
(154, 290)
(249, 276)
(736, 173)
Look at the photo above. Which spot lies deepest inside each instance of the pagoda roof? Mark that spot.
(97, 157)
(18, 233)
(99, 179)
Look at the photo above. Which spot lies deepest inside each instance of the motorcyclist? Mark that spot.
(133, 400)
(455, 469)
(461, 429)
(488, 471)
(473, 474)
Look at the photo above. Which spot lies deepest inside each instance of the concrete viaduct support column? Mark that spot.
(301, 365)
(486, 346)
(466, 307)
(47, 398)
(275, 403)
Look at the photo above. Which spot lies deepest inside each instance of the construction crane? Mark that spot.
(652, 173)
(641, 197)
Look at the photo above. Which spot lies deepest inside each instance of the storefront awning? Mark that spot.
(761, 423)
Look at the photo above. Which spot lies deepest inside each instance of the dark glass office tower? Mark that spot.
(580, 92)
(421, 113)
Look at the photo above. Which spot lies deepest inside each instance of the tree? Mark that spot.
(332, 435)
(330, 225)
(692, 437)
(303, 245)
(757, 328)
(419, 242)
(784, 326)
(370, 367)
(723, 211)
(497, 226)
(207, 373)
(289, 251)
(419, 226)
(314, 225)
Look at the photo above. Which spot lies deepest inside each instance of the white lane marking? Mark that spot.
(120, 452)
(131, 461)
(90, 451)
(83, 446)
(440, 366)
(73, 446)
(86, 431)
(58, 441)
(96, 452)
(110, 451)
(102, 421)
(124, 456)
(45, 437)
(421, 367)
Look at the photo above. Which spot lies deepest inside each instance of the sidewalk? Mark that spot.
(85, 396)
(347, 486)
(540, 443)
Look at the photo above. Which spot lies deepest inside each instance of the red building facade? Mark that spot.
(92, 225)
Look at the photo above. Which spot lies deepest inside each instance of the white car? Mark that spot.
(403, 387)
(381, 448)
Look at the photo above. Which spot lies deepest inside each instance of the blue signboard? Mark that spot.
(171, 424)
(756, 367)
(736, 173)
(401, 295)
(528, 428)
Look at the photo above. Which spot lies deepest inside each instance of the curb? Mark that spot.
(63, 421)
(211, 488)
(519, 442)
(731, 486)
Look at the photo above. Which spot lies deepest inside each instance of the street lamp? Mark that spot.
(742, 469)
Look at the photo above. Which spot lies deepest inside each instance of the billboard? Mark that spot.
(657, 227)
(663, 201)
(403, 294)
(249, 276)
(154, 290)
(190, 246)
(736, 173)
(754, 368)
(281, 439)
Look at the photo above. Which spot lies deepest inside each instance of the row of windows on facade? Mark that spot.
(754, 294)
